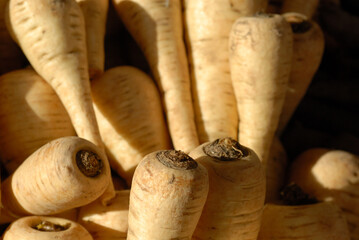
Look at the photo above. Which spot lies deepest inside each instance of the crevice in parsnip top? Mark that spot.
(89, 163)
(293, 195)
(225, 149)
(301, 27)
(47, 226)
(176, 160)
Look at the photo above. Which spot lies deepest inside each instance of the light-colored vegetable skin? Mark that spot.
(130, 117)
(31, 115)
(305, 7)
(45, 228)
(65, 173)
(236, 194)
(157, 28)
(110, 222)
(95, 15)
(319, 221)
(208, 24)
(330, 175)
(308, 48)
(260, 60)
(167, 196)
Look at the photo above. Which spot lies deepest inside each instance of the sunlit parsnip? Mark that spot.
(260, 59)
(319, 221)
(305, 7)
(308, 48)
(168, 193)
(236, 194)
(330, 175)
(45, 228)
(110, 222)
(95, 14)
(31, 115)
(130, 117)
(207, 25)
(275, 170)
(156, 26)
(52, 36)
(65, 173)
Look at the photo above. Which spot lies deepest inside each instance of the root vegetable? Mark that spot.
(130, 117)
(31, 115)
(167, 196)
(305, 7)
(110, 222)
(236, 191)
(308, 48)
(260, 61)
(157, 28)
(65, 173)
(44, 228)
(208, 24)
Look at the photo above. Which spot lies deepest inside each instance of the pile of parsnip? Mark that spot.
(182, 143)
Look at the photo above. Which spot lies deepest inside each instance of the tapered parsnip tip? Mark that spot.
(89, 163)
(225, 149)
(176, 160)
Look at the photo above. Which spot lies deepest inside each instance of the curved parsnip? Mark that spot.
(305, 7)
(95, 14)
(156, 25)
(45, 228)
(167, 196)
(110, 222)
(208, 24)
(130, 117)
(319, 221)
(236, 191)
(260, 59)
(65, 173)
(308, 48)
(31, 115)
(330, 175)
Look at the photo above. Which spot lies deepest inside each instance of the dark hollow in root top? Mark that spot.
(298, 23)
(225, 149)
(293, 195)
(46, 226)
(176, 160)
(89, 163)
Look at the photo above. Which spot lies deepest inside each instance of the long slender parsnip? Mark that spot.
(305, 7)
(208, 23)
(130, 117)
(260, 59)
(45, 228)
(31, 115)
(156, 25)
(51, 34)
(167, 196)
(308, 48)
(95, 15)
(236, 191)
(66, 173)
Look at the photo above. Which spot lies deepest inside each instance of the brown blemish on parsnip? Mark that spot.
(89, 163)
(46, 226)
(292, 194)
(225, 149)
(176, 160)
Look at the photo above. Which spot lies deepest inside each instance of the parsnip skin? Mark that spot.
(157, 26)
(333, 176)
(45, 228)
(95, 14)
(308, 48)
(57, 180)
(31, 115)
(320, 221)
(260, 60)
(305, 7)
(236, 191)
(110, 222)
(130, 117)
(207, 25)
(167, 196)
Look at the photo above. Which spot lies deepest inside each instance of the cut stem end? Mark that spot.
(46, 226)
(176, 160)
(89, 163)
(225, 149)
